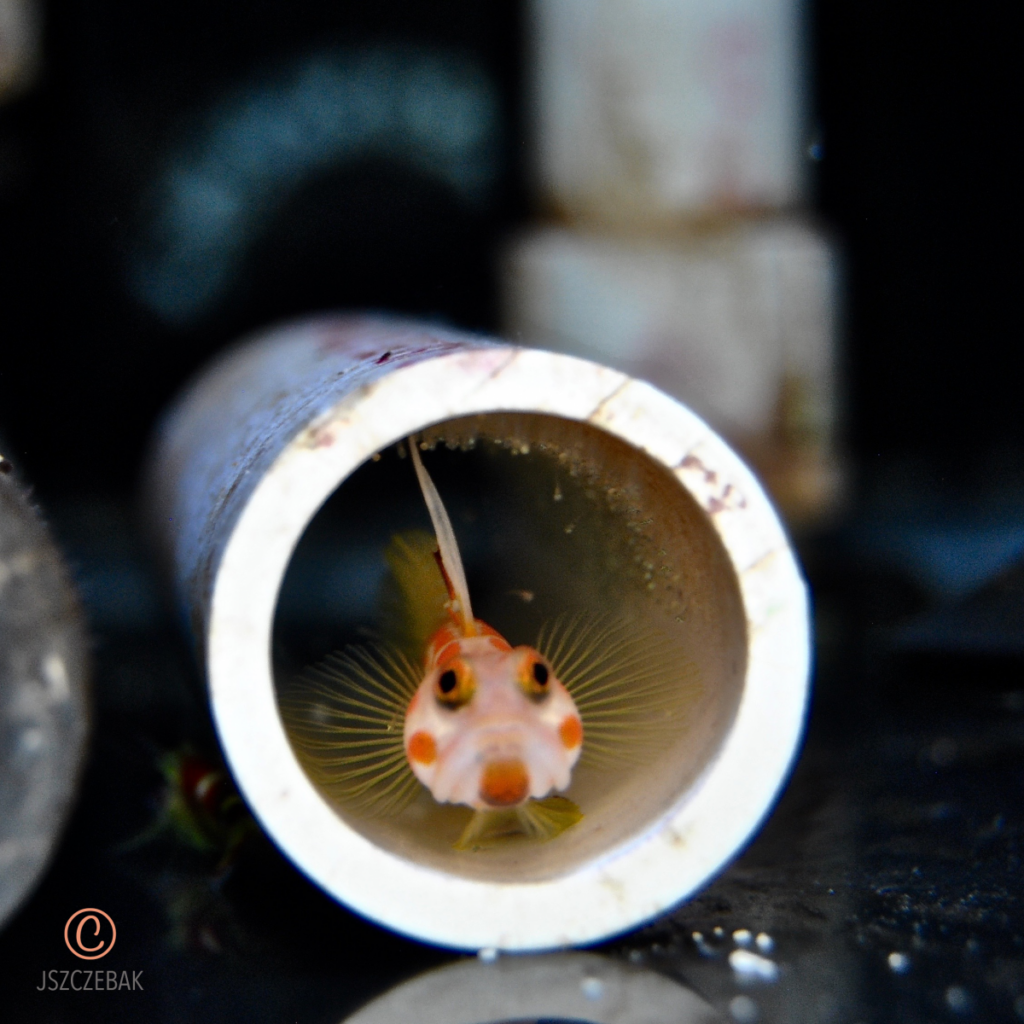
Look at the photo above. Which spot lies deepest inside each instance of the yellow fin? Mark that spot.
(540, 820)
(633, 685)
(345, 719)
(414, 598)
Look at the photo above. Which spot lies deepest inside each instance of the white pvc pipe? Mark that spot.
(650, 111)
(243, 464)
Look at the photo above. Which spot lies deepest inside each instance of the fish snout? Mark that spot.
(504, 783)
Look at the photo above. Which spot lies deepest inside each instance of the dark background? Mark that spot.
(87, 368)
(910, 103)
(903, 828)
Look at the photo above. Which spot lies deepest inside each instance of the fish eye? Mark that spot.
(455, 685)
(534, 675)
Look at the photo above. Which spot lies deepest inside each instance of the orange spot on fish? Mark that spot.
(446, 653)
(422, 748)
(504, 783)
(571, 731)
(444, 644)
(493, 636)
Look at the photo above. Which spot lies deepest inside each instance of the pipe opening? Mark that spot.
(570, 537)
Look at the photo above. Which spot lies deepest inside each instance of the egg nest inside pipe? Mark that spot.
(574, 542)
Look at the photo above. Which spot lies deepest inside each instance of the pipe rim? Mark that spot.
(627, 885)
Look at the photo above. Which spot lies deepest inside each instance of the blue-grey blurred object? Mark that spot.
(571, 987)
(44, 702)
(949, 551)
(434, 111)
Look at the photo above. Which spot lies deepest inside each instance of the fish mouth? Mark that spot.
(504, 783)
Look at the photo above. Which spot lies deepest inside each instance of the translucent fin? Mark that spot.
(415, 599)
(632, 684)
(539, 820)
(345, 719)
(446, 542)
(546, 819)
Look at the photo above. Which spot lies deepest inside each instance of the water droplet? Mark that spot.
(743, 1009)
(958, 999)
(56, 675)
(899, 963)
(31, 740)
(751, 967)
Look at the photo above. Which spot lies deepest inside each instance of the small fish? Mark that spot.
(490, 726)
(496, 728)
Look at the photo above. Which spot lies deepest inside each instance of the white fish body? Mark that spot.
(490, 726)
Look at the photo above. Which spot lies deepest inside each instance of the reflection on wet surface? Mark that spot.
(571, 988)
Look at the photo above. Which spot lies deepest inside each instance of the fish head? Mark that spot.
(490, 726)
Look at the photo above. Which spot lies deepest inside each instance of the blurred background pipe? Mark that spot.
(670, 153)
